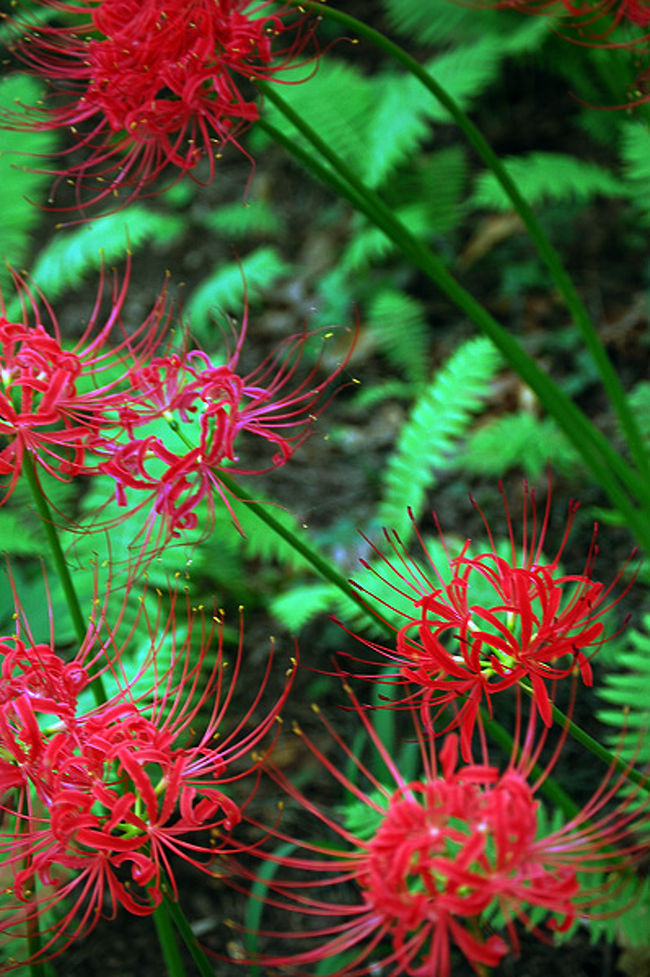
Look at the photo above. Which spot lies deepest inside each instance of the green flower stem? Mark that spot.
(323, 567)
(577, 733)
(168, 942)
(36, 968)
(602, 459)
(49, 528)
(547, 252)
(179, 919)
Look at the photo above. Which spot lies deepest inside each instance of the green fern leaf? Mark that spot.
(20, 188)
(518, 440)
(369, 397)
(369, 245)
(396, 127)
(624, 693)
(543, 177)
(337, 103)
(635, 153)
(464, 73)
(298, 606)
(70, 255)
(439, 419)
(241, 220)
(398, 324)
(263, 543)
(224, 291)
(439, 21)
(440, 185)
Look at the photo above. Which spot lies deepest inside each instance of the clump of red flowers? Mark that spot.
(440, 857)
(55, 401)
(591, 22)
(165, 424)
(149, 86)
(210, 411)
(98, 801)
(497, 618)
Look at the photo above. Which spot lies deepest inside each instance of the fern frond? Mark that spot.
(369, 397)
(546, 177)
(377, 124)
(20, 188)
(635, 154)
(640, 404)
(370, 245)
(399, 326)
(224, 291)
(242, 220)
(337, 103)
(464, 73)
(440, 185)
(624, 693)
(263, 543)
(519, 440)
(396, 127)
(438, 22)
(296, 607)
(70, 255)
(439, 419)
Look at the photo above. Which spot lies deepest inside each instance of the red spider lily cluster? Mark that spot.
(148, 87)
(592, 20)
(425, 860)
(97, 801)
(56, 401)
(495, 622)
(93, 409)
(415, 864)
(123, 757)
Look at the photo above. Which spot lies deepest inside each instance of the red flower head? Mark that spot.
(501, 618)
(96, 802)
(440, 858)
(55, 402)
(590, 22)
(151, 85)
(210, 412)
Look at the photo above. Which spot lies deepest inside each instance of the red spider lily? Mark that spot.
(499, 621)
(146, 86)
(96, 804)
(418, 864)
(54, 402)
(590, 22)
(211, 412)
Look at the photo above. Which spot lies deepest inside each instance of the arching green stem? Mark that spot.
(547, 252)
(325, 569)
(179, 919)
(168, 942)
(320, 563)
(601, 458)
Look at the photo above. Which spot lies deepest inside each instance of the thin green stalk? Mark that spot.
(63, 572)
(547, 252)
(36, 968)
(591, 744)
(179, 919)
(320, 563)
(324, 568)
(598, 454)
(168, 942)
